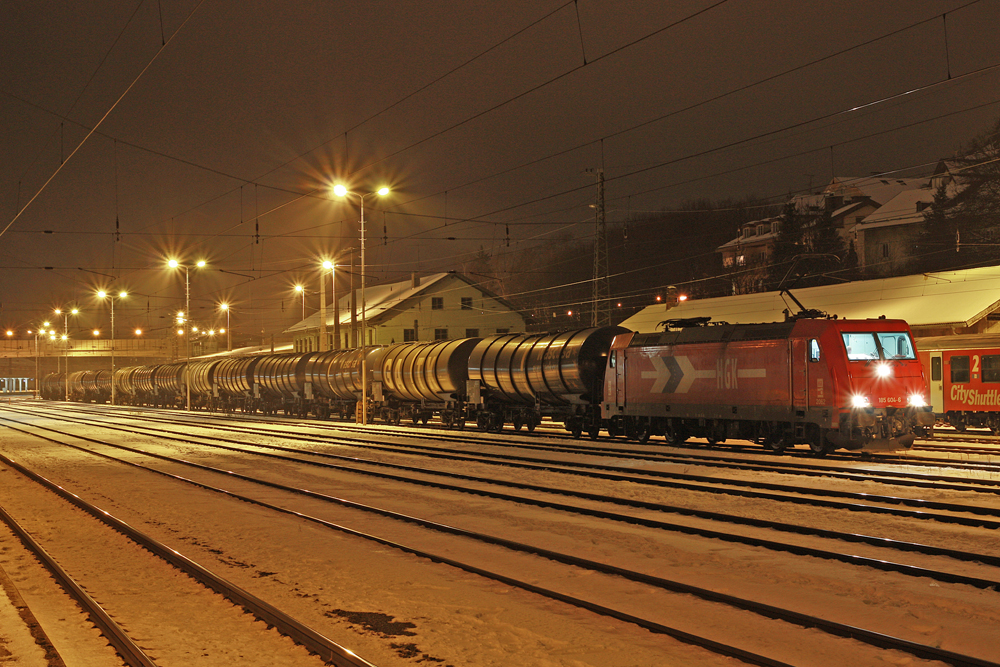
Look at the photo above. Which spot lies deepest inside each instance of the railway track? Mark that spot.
(717, 534)
(766, 463)
(132, 573)
(961, 513)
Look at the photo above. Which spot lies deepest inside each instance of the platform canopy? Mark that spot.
(952, 300)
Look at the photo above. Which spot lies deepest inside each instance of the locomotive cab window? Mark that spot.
(860, 346)
(813, 350)
(896, 345)
(959, 369)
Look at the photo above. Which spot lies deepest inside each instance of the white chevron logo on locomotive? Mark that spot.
(675, 375)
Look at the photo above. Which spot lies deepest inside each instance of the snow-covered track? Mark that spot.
(804, 620)
(316, 643)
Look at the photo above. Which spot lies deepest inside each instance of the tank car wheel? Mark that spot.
(517, 422)
(531, 425)
(594, 431)
(483, 421)
(577, 431)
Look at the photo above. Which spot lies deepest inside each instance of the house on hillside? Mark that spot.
(437, 307)
(847, 202)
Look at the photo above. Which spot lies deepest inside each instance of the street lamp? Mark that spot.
(65, 336)
(174, 264)
(341, 191)
(229, 335)
(111, 298)
(302, 290)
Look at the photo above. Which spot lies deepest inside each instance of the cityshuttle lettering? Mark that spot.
(974, 396)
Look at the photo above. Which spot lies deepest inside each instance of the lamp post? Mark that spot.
(174, 264)
(111, 298)
(302, 290)
(38, 384)
(341, 191)
(65, 336)
(229, 335)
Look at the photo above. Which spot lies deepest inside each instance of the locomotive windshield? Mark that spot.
(867, 345)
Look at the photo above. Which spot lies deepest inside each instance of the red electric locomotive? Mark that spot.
(964, 379)
(853, 384)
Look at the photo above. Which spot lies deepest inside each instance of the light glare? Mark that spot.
(339, 190)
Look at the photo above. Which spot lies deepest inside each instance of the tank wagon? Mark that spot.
(853, 384)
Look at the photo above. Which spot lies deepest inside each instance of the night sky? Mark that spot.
(483, 118)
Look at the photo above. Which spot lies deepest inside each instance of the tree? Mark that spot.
(789, 242)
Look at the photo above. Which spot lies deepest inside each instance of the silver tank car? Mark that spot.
(434, 372)
(552, 369)
(234, 377)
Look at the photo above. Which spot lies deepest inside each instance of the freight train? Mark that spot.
(828, 383)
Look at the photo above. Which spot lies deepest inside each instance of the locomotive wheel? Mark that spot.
(643, 432)
(818, 447)
(677, 436)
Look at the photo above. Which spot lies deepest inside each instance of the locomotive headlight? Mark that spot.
(917, 400)
(859, 401)
(883, 370)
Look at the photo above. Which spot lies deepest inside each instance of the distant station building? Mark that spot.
(934, 304)
(437, 307)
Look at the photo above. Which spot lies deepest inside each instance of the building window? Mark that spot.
(472, 333)
(440, 334)
(409, 335)
(885, 249)
(466, 303)
(437, 303)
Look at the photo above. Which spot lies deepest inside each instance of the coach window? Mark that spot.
(959, 369)
(813, 350)
(936, 369)
(991, 368)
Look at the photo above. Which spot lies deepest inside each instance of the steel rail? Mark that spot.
(880, 640)
(311, 639)
(116, 636)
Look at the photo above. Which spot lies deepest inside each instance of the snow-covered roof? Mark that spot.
(949, 298)
(378, 299)
(900, 210)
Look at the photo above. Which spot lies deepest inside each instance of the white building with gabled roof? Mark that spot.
(437, 307)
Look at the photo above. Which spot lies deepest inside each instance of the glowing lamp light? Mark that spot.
(173, 264)
(298, 288)
(328, 265)
(138, 332)
(859, 401)
(222, 331)
(659, 298)
(917, 400)
(194, 329)
(883, 370)
(682, 297)
(339, 190)
(570, 313)
(180, 332)
(96, 332)
(383, 191)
